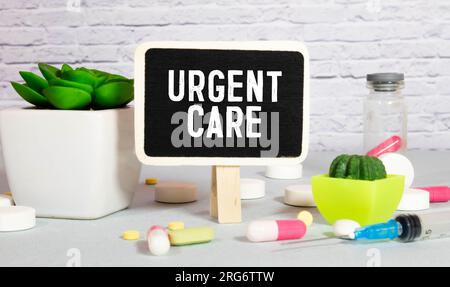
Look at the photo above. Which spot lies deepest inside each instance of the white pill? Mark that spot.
(252, 188)
(345, 227)
(175, 192)
(158, 242)
(6, 200)
(15, 218)
(414, 199)
(396, 163)
(284, 171)
(299, 195)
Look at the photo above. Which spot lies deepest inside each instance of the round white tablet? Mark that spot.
(414, 199)
(252, 188)
(175, 192)
(299, 195)
(6, 200)
(396, 163)
(15, 218)
(345, 227)
(284, 171)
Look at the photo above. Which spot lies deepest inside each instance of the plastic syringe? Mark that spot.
(407, 228)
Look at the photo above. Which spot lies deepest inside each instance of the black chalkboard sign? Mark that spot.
(221, 103)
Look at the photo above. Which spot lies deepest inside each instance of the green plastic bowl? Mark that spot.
(364, 201)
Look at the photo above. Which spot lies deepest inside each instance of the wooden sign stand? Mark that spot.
(226, 194)
(272, 81)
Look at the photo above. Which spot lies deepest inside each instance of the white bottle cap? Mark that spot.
(299, 195)
(284, 171)
(414, 199)
(15, 218)
(252, 188)
(396, 163)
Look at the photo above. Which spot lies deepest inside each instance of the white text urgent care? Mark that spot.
(215, 93)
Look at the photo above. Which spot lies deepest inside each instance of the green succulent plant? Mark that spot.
(360, 167)
(74, 89)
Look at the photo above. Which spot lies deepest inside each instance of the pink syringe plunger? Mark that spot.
(392, 144)
(437, 193)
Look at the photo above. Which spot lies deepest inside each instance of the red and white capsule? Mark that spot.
(392, 144)
(274, 230)
(438, 193)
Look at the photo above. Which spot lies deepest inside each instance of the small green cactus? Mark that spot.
(360, 167)
(74, 89)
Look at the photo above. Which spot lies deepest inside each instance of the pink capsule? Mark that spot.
(392, 144)
(438, 193)
(274, 230)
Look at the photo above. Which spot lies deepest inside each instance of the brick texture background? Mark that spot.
(346, 39)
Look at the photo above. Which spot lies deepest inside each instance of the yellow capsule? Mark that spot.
(151, 181)
(176, 225)
(8, 193)
(131, 235)
(191, 235)
(306, 217)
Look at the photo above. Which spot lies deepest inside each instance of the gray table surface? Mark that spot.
(56, 242)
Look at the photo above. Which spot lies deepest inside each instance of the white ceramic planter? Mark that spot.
(70, 164)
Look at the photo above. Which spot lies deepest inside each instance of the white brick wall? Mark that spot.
(347, 40)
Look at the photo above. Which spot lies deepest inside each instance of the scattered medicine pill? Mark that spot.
(345, 227)
(306, 217)
(158, 241)
(274, 230)
(414, 199)
(151, 181)
(252, 188)
(392, 144)
(437, 193)
(131, 235)
(284, 171)
(192, 235)
(396, 163)
(8, 193)
(6, 200)
(299, 195)
(176, 225)
(175, 192)
(15, 218)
